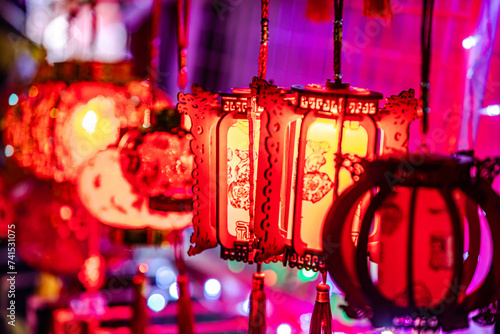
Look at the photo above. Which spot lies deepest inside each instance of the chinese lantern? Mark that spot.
(422, 205)
(74, 112)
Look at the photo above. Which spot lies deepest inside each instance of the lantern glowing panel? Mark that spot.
(60, 123)
(426, 209)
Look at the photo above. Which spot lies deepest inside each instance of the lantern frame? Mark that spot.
(445, 174)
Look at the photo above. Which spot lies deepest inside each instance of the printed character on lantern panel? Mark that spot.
(234, 195)
(432, 247)
(319, 173)
(316, 195)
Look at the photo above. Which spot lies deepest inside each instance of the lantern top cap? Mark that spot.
(341, 90)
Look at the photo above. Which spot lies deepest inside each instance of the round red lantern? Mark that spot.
(422, 206)
(159, 163)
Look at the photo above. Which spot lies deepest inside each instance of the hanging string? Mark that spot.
(264, 38)
(154, 61)
(426, 35)
(183, 7)
(337, 40)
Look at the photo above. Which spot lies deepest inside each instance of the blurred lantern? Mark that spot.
(105, 192)
(293, 153)
(73, 111)
(423, 205)
(159, 163)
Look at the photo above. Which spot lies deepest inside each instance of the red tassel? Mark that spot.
(185, 315)
(321, 320)
(378, 8)
(257, 316)
(140, 318)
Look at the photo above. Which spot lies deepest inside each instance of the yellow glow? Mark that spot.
(313, 214)
(89, 121)
(95, 126)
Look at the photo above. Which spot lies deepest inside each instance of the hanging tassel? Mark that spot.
(185, 315)
(257, 316)
(321, 320)
(378, 8)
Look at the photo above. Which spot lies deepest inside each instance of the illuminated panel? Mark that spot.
(433, 247)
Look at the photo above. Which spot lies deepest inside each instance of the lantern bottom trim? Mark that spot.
(309, 261)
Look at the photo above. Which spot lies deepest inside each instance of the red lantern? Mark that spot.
(419, 204)
(76, 111)
(202, 108)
